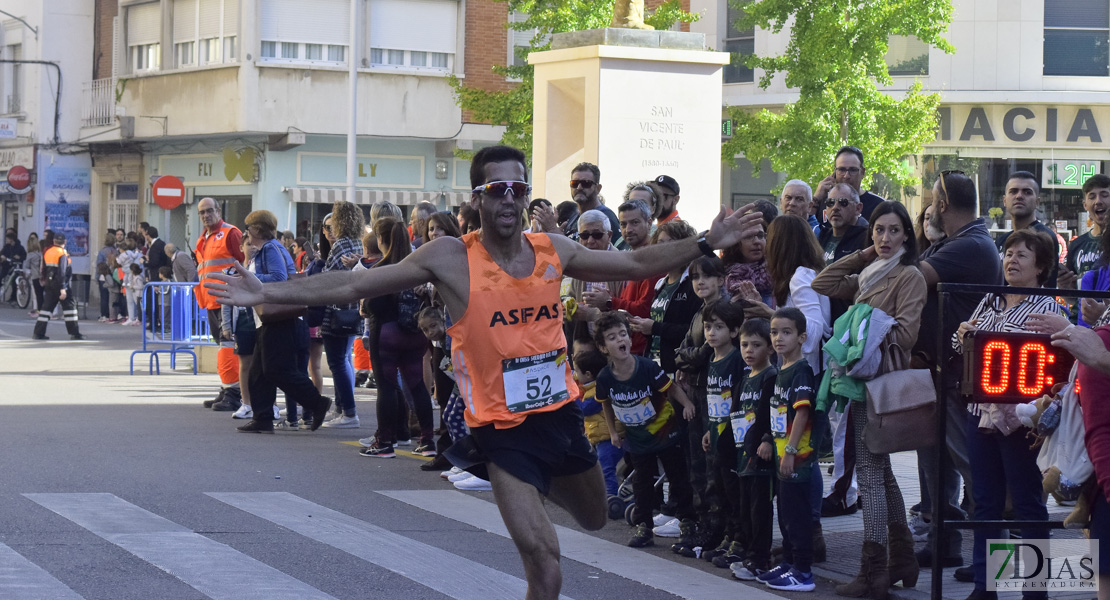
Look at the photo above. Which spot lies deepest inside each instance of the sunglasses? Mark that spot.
(582, 183)
(503, 188)
(843, 202)
(946, 173)
(597, 235)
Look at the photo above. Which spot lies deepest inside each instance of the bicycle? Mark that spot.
(17, 285)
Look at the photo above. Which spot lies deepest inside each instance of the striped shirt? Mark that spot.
(993, 315)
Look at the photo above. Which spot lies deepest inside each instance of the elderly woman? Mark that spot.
(281, 347)
(885, 277)
(1000, 454)
(342, 322)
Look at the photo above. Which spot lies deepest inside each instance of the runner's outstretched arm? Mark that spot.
(590, 265)
(244, 289)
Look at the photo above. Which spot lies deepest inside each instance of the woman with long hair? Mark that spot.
(885, 277)
(397, 351)
(341, 322)
(441, 224)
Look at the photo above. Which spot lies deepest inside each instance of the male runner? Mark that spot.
(502, 289)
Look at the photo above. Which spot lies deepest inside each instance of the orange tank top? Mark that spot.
(508, 351)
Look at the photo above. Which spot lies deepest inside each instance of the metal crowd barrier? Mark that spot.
(937, 492)
(182, 324)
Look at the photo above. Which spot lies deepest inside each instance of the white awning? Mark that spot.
(368, 197)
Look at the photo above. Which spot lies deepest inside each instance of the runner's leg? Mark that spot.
(583, 496)
(522, 509)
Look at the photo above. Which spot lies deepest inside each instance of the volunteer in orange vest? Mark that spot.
(56, 275)
(510, 356)
(219, 242)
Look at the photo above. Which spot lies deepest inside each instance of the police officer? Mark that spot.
(56, 275)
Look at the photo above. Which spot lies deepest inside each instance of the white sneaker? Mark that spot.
(343, 422)
(660, 519)
(405, 443)
(366, 442)
(461, 475)
(447, 473)
(244, 412)
(474, 484)
(669, 529)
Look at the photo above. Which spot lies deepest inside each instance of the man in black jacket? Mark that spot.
(848, 168)
(155, 259)
(57, 273)
(841, 236)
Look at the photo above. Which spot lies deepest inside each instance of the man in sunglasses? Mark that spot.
(848, 168)
(666, 189)
(842, 233)
(585, 189)
(501, 286)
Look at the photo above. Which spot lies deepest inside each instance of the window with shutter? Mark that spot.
(431, 47)
(291, 34)
(144, 33)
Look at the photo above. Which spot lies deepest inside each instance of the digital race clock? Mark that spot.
(1012, 368)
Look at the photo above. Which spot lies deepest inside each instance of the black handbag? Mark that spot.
(344, 321)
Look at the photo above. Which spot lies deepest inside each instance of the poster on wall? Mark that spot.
(66, 200)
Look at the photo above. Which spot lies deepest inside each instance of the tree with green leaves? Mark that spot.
(513, 107)
(835, 59)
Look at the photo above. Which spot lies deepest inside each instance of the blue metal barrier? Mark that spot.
(183, 324)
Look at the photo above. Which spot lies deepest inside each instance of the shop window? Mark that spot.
(1077, 38)
(907, 56)
(738, 44)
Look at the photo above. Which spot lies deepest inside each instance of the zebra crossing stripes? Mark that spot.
(212, 568)
(427, 565)
(636, 565)
(21, 579)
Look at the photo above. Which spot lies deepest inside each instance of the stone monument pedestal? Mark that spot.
(639, 104)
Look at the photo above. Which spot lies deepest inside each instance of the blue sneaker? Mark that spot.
(775, 572)
(793, 581)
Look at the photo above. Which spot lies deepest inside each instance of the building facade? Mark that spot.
(43, 58)
(246, 101)
(1025, 90)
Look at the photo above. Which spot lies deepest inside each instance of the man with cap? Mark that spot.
(666, 189)
(56, 275)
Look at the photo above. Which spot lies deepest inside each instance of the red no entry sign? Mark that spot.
(169, 192)
(19, 178)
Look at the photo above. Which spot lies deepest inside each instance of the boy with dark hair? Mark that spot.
(791, 424)
(631, 389)
(751, 434)
(721, 322)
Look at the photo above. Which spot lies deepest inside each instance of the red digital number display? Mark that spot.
(1010, 368)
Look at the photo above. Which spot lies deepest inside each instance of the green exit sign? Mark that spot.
(726, 128)
(1068, 173)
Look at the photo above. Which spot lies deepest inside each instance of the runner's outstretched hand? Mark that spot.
(240, 289)
(728, 229)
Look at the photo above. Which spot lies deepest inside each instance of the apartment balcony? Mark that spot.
(264, 98)
(98, 102)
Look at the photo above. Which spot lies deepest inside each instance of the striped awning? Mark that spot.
(368, 197)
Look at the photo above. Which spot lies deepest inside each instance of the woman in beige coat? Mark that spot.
(884, 276)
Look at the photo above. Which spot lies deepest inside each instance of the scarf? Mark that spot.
(755, 272)
(877, 271)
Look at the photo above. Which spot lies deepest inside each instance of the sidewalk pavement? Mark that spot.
(101, 362)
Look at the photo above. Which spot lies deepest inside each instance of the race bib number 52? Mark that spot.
(537, 381)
